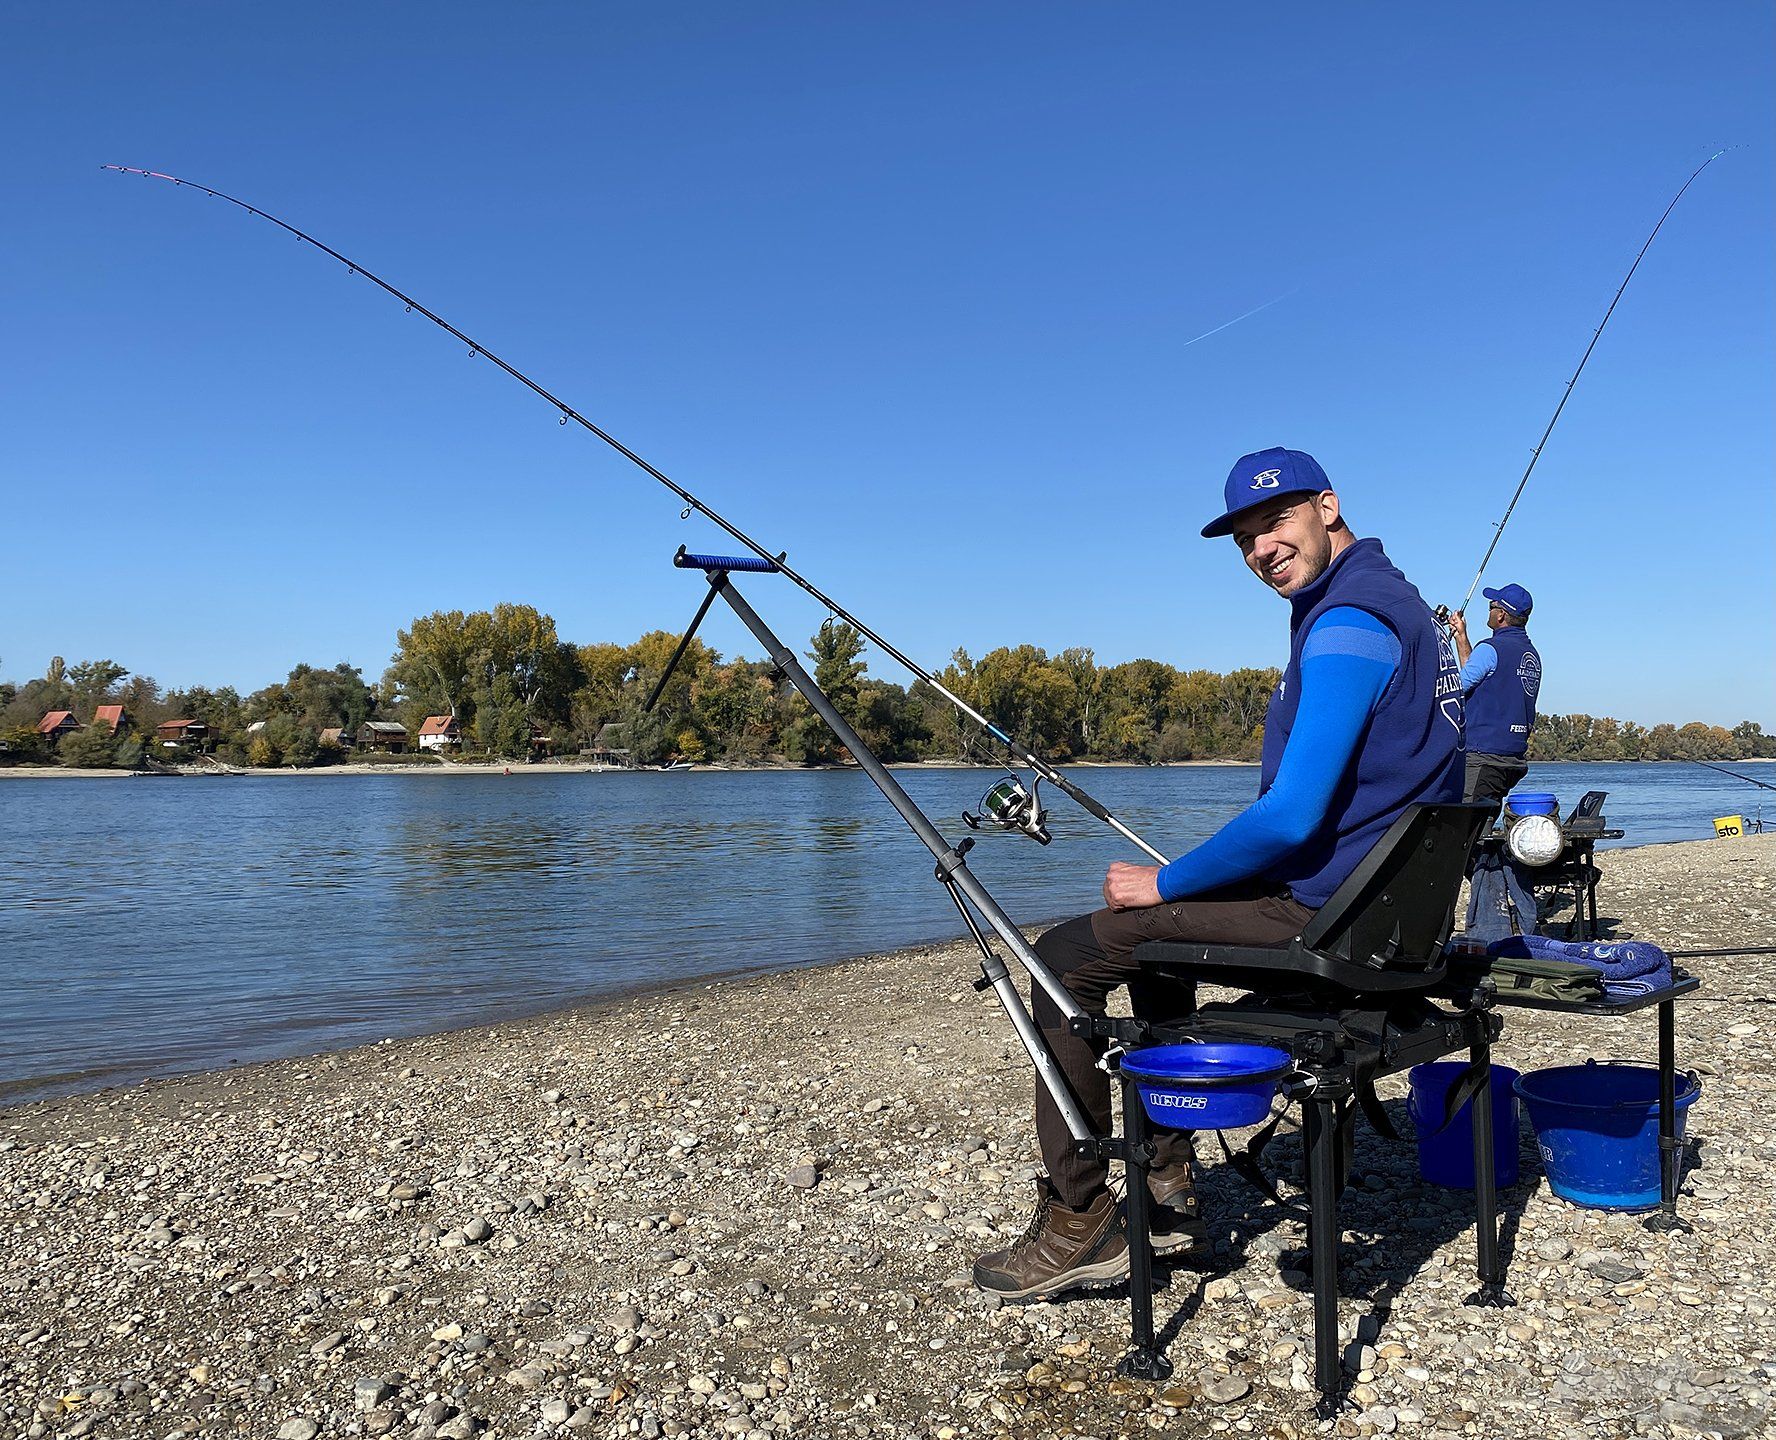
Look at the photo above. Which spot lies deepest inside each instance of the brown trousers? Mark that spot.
(1092, 955)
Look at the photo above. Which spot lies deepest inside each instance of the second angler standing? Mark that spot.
(1501, 678)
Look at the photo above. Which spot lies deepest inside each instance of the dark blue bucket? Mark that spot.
(1206, 1087)
(1597, 1127)
(1446, 1153)
(1532, 802)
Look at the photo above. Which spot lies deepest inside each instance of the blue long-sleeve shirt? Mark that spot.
(1347, 661)
(1482, 660)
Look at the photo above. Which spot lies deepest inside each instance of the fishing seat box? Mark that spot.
(1350, 999)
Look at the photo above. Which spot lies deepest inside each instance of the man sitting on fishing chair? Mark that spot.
(1501, 677)
(1365, 722)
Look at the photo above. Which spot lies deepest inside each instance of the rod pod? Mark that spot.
(952, 867)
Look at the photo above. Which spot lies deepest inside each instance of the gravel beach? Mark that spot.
(748, 1209)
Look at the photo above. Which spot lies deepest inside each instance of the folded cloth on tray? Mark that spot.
(1629, 967)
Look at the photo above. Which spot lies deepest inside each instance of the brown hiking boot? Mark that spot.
(1062, 1249)
(1175, 1218)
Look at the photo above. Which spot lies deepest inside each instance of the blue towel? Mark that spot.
(1630, 967)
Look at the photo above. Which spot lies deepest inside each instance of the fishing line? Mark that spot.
(1536, 454)
(1040, 767)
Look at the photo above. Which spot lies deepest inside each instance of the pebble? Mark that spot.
(298, 1428)
(369, 1392)
(1225, 1389)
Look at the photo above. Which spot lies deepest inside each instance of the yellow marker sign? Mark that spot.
(1728, 826)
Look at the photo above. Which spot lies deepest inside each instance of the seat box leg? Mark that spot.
(1320, 1117)
(1144, 1360)
(1492, 1292)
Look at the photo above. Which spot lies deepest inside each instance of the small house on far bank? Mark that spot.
(439, 732)
(56, 724)
(610, 746)
(542, 743)
(385, 735)
(336, 736)
(192, 733)
(113, 717)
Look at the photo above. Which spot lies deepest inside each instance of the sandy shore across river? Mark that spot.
(748, 1209)
(494, 767)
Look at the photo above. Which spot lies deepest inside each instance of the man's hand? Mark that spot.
(1131, 887)
(1458, 632)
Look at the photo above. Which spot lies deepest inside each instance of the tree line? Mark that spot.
(507, 677)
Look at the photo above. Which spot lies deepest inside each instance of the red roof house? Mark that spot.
(182, 732)
(112, 717)
(58, 723)
(438, 731)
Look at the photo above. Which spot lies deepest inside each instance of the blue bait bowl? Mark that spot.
(1206, 1087)
(1532, 802)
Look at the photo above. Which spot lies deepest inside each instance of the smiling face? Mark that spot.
(1289, 542)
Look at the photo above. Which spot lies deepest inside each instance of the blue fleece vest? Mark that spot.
(1502, 708)
(1412, 751)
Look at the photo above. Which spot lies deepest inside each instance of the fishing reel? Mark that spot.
(1008, 806)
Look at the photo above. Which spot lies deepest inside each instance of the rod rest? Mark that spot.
(684, 560)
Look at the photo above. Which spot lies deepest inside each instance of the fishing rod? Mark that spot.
(1442, 611)
(1761, 784)
(1007, 813)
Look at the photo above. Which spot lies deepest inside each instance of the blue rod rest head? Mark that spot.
(684, 560)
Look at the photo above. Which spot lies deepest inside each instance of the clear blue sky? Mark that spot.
(907, 290)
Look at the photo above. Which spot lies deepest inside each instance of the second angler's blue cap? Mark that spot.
(1513, 597)
(1262, 477)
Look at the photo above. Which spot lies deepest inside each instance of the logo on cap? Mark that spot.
(1269, 480)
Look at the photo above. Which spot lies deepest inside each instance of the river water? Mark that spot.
(159, 926)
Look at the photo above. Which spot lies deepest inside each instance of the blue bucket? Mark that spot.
(1532, 802)
(1597, 1127)
(1446, 1154)
(1206, 1087)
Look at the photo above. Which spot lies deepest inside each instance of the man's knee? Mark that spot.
(1067, 946)
(1066, 949)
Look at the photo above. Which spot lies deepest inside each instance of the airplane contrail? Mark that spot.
(1237, 318)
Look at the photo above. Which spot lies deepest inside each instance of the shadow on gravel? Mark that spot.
(1394, 1222)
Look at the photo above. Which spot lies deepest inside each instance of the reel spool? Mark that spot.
(1008, 806)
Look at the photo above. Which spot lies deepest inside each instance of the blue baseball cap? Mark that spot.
(1513, 597)
(1261, 477)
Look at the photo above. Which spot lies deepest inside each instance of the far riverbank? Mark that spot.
(551, 767)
